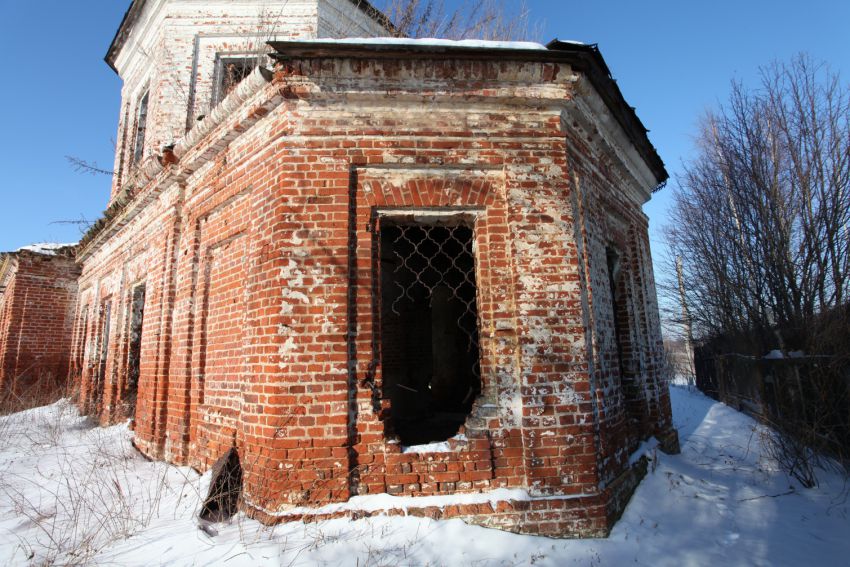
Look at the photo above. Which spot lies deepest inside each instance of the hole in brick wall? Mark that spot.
(134, 352)
(429, 326)
(225, 488)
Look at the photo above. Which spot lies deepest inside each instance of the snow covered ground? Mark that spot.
(74, 493)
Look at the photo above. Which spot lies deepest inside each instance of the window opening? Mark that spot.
(137, 315)
(106, 311)
(429, 326)
(613, 275)
(229, 72)
(621, 334)
(79, 355)
(141, 127)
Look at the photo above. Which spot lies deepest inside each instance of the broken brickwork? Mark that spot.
(37, 300)
(382, 268)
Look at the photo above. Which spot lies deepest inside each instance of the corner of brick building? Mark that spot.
(255, 244)
(36, 315)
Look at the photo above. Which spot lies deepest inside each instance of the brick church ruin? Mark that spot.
(371, 266)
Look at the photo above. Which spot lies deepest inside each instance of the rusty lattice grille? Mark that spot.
(436, 257)
(429, 331)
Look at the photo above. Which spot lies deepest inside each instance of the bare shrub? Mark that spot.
(82, 496)
(26, 392)
(808, 409)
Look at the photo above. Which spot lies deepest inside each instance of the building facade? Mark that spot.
(38, 291)
(415, 268)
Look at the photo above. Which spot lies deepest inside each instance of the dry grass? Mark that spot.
(78, 498)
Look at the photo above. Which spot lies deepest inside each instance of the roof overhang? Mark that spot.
(583, 58)
(130, 17)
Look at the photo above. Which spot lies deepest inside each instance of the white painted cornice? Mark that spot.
(589, 118)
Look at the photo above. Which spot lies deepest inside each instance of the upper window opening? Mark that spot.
(229, 72)
(141, 127)
(429, 327)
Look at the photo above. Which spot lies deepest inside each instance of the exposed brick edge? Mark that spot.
(620, 491)
(224, 110)
(669, 441)
(570, 516)
(6, 261)
(509, 515)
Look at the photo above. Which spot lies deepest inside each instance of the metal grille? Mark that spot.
(430, 257)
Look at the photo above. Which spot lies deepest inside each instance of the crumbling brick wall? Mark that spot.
(257, 251)
(632, 394)
(36, 314)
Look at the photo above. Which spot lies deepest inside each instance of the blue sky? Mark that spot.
(672, 59)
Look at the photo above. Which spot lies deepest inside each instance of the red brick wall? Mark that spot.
(36, 315)
(636, 404)
(260, 320)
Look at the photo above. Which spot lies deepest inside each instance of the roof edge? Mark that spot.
(130, 17)
(592, 64)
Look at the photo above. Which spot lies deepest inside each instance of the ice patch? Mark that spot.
(440, 447)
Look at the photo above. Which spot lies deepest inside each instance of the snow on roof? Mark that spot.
(46, 248)
(430, 42)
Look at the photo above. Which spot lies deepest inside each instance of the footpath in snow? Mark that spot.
(74, 493)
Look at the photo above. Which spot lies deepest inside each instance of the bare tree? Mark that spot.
(762, 223)
(82, 166)
(477, 19)
(762, 214)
